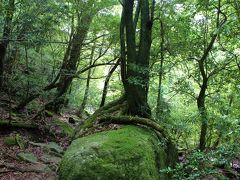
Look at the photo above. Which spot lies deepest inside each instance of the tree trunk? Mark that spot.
(159, 110)
(137, 68)
(203, 115)
(106, 84)
(5, 38)
(85, 97)
(69, 66)
(205, 77)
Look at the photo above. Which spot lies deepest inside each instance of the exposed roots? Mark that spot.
(132, 120)
(115, 113)
(114, 108)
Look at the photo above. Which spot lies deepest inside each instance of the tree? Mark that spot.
(71, 58)
(159, 110)
(88, 9)
(205, 78)
(5, 37)
(135, 62)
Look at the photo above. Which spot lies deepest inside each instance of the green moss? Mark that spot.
(109, 108)
(65, 127)
(127, 153)
(10, 141)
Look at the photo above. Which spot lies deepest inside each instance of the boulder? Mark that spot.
(131, 152)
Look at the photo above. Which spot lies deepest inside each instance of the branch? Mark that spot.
(95, 65)
(136, 17)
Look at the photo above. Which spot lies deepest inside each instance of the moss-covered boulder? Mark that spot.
(130, 152)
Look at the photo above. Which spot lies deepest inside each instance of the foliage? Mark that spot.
(40, 34)
(213, 164)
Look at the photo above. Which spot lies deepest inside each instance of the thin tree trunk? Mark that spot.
(27, 71)
(5, 38)
(85, 97)
(205, 77)
(203, 115)
(106, 83)
(159, 110)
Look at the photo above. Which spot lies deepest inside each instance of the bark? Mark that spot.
(123, 51)
(106, 83)
(136, 17)
(5, 38)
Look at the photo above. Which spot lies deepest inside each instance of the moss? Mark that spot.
(127, 153)
(28, 157)
(14, 124)
(10, 141)
(65, 127)
(109, 108)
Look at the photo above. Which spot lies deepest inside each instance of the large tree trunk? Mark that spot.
(5, 38)
(137, 67)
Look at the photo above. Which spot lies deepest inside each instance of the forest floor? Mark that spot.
(13, 167)
(28, 152)
(34, 153)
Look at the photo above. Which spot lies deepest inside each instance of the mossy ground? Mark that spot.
(10, 141)
(65, 127)
(128, 153)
